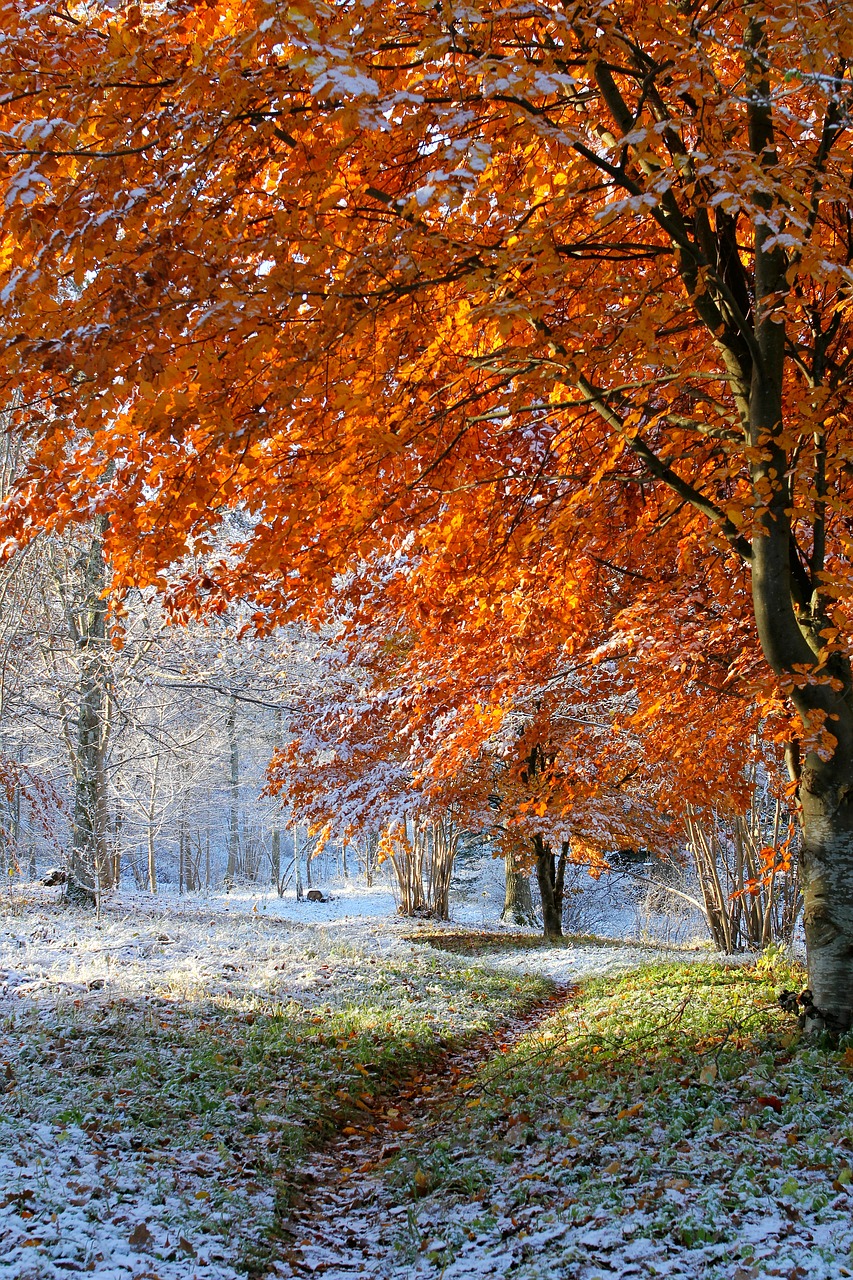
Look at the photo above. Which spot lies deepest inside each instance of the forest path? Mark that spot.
(353, 1202)
(341, 1223)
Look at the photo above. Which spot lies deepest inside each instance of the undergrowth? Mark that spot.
(253, 1085)
(676, 1104)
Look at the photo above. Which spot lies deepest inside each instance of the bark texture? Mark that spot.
(791, 616)
(550, 876)
(90, 867)
(827, 882)
(518, 900)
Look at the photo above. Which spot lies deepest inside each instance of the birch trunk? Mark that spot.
(88, 625)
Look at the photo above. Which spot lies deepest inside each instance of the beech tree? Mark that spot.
(392, 730)
(513, 291)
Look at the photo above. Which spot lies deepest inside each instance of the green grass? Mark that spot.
(673, 1078)
(483, 942)
(256, 1084)
(671, 1100)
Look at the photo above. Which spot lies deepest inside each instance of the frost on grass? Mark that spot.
(80, 1200)
(166, 1068)
(671, 1124)
(167, 1071)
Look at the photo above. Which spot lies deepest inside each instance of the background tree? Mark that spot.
(531, 288)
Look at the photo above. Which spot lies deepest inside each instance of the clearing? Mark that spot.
(230, 1087)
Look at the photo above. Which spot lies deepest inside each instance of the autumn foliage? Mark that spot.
(525, 329)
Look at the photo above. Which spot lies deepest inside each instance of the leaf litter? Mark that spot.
(225, 1102)
(668, 1122)
(165, 1069)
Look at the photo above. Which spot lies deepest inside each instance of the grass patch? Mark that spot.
(244, 1087)
(486, 943)
(675, 1107)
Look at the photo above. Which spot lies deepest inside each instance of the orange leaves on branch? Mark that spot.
(461, 317)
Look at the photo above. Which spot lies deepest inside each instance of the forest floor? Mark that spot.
(200, 1089)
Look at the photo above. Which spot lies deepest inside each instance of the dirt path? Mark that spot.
(340, 1222)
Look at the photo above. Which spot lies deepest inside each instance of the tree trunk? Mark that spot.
(234, 786)
(275, 852)
(791, 613)
(827, 883)
(104, 854)
(297, 864)
(444, 844)
(550, 875)
(518, 900)
(88, 624)
(275, 857)
(371, 845)
(152, 858)
(150, 816)
(116, 851)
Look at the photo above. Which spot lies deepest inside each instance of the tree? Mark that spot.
(91, 866)
(350, 768)
(388, 730)
(518, 900)
(515, 292)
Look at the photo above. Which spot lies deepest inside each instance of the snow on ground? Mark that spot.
(707, 1177)
(577, 962)
(345, 900)
(208, 945)
(184, 946)
(79, 1198)
(81, 1194)
(556, 1236)
(75, 1204)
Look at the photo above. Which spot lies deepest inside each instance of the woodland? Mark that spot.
(426, 700)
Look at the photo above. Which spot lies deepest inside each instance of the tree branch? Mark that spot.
(664, 473)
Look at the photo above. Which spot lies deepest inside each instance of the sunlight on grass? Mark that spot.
(675, 1107)
(251, 1085)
